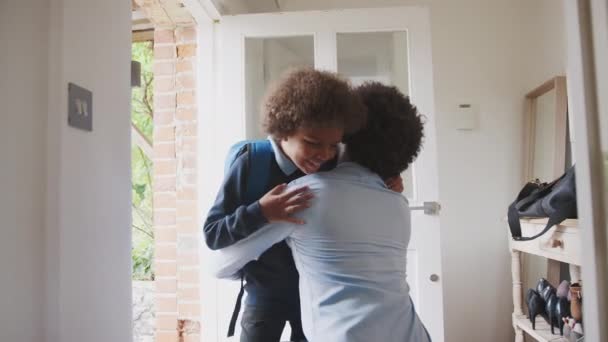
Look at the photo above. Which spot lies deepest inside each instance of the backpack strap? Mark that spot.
(260, 158)
(258, 178)
(236, 310)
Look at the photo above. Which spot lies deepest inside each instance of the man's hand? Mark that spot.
(278, 204)
(395, 184)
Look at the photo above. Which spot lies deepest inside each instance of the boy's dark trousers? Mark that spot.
(264, 325)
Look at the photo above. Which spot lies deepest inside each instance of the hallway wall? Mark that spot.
(88, 244)
(23, 80)
(64, 193)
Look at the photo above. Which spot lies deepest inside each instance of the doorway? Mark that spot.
(389, 45)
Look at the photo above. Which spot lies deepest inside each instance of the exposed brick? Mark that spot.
(185, 98)
(165, 268)
(164, 52)
(164, 68)
(164, 200)
(187, 193)
(186, 81)
(164, 184)
(192, 337)
(163, 36)
(186, 130)
(161, 102)
(188, 243)
(164, 150)
(189, 160)
(186, 209)
(165, 304)
(186, 114)
(184, 65)
(166, 322)
(189, 310)
(166, 336)
(185, 35)
(166, 285)
(188, 179)
(165, 252)
(187, 276)
(186, 50)
(187, 227)
(187, 259)
(164, 84)
(164, 167)
(165, 217)
(189, 144)
(176, 225)
(164, 134)
(166, 117)
(190, 326)
(165, 234)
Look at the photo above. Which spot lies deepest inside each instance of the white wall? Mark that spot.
(65, 199)
(88, 217)
(22, 175)
(488, 53)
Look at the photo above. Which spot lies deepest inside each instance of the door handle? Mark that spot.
(430, 208)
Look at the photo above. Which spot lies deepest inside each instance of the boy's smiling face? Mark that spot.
(309, 148)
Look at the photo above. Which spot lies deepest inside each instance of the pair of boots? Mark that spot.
(550, 303)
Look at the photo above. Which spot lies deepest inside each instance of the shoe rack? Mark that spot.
(560, 244)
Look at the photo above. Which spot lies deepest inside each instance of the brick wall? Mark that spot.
(175, 215)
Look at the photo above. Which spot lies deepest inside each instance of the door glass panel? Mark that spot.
(265, 60)
(381, 57)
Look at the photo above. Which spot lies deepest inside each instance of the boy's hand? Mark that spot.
(278, 204)
(395, 184)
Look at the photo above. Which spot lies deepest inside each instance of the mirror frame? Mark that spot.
(558, 84)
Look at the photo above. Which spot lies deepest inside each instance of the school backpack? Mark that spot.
(260, 158)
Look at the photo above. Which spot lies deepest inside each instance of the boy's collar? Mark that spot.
(285, 164)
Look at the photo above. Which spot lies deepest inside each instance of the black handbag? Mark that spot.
(555, 200)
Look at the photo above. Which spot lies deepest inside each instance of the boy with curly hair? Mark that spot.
(306, 115)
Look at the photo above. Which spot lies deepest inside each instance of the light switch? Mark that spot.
(466, 117)
(80, 107)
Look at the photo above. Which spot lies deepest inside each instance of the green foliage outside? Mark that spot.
(142, 252)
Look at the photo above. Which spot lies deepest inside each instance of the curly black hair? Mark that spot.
(393, 135)
(305, 97)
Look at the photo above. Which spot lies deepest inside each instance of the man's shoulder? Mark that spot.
(315, 179)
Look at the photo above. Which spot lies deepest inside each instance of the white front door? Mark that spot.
(390, 45)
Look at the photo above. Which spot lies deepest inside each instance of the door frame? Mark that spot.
(213, 143)
(586, 28)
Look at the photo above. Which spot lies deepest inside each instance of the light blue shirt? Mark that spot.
(351, 257)
(285, 164)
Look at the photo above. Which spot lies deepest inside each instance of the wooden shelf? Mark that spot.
(542, 332)
(567, 234)
(560, 243)
(543, 221)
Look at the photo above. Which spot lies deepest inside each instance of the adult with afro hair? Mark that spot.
(351, 253)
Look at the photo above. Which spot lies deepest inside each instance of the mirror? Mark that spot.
(545, 131)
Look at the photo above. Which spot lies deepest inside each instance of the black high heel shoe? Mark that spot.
(542, 285)
(547, 291)
(550, 306)
(536, 306)
(562, 310)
